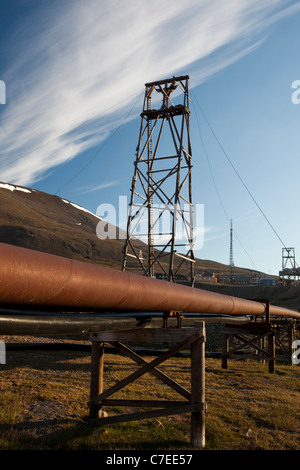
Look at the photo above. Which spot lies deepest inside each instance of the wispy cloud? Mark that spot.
(89, 189)
(75, 66)
(249, 215)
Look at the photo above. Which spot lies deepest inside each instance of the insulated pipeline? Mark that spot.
(32, 279)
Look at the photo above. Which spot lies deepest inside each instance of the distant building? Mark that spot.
(268, 281)
(206, 278)
(179, 277)
(235, 279)
(244, 280)
(223, 278)
(160, 276)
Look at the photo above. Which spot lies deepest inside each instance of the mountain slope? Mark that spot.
(43, 222)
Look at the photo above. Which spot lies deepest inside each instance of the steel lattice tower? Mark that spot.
(161, 210)
(289, 271)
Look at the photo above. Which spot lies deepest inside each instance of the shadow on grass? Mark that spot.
(64, 434)
(47, 360)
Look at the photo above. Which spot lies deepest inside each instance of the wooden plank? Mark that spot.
(142, 403)
(147, 414)
(147, 335)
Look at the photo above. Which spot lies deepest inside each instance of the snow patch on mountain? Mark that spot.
(12, 187)
(80, 208)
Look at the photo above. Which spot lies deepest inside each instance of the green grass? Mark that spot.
(44, 395)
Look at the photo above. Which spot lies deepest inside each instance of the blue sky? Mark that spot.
(75, 74)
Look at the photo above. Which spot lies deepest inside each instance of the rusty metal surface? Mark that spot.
(33, 279)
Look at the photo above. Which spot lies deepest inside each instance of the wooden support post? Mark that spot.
(253, 337)
(267, 311)
(225, 351)
(292, 337)
(271, 340)
(261, 346)
(96, 382)
(198, 391)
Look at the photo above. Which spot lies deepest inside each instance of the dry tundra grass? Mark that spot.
(44, 397)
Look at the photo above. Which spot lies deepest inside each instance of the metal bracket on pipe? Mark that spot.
(167, 315)
(267, 308)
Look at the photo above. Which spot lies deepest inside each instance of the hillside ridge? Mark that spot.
(40, 221)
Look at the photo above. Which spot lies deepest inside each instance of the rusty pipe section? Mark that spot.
(31, 279)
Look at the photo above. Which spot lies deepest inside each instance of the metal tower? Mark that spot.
(289, 271)
(160, 209)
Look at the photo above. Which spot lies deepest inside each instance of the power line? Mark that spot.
(216, 188)
(240, 178)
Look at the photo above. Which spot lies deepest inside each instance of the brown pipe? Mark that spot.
(33, 279)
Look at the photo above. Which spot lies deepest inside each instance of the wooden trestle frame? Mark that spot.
(260, 339)
(194, 401)
(286, 333)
